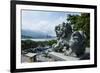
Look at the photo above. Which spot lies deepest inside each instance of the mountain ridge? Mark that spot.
(34, 34)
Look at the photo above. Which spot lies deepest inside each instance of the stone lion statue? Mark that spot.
(77, 43)
(69, 42)
(63, 32)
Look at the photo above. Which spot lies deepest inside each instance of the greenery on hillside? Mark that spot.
(26, 44)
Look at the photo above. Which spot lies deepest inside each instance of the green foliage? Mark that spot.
(72, 19)
(51, 42)
(26, 44)
(81, 22)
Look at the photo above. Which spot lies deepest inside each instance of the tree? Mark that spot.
(26, 44)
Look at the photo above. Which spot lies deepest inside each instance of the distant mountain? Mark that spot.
(34, 34)
(24, 36)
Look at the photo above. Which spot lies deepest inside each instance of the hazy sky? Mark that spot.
(44, 21)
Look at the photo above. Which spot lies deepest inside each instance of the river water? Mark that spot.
(48, 39)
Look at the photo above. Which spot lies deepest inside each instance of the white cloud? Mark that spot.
(45, 26)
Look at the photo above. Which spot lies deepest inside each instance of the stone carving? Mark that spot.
(63, 32)
(77, 43)
(69, 42)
